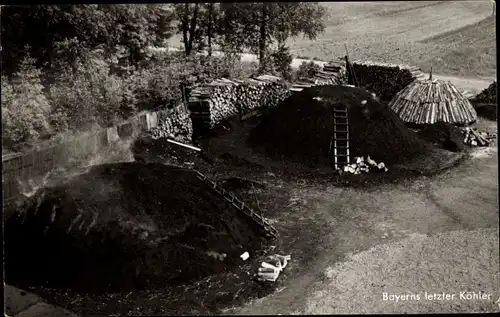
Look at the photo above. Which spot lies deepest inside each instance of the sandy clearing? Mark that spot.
(452, 262)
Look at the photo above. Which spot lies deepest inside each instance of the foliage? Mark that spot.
(258, 25)
(187, 15)
(70, 67)
(48, 29)
(89, 95)
(282, 60)
(25, 109)
(308, 69)
(159, 84)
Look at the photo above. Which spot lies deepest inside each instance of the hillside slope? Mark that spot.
(468, 50)
(456, 38)
(399, 32)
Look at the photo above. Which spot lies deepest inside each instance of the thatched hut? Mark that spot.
(429, 101)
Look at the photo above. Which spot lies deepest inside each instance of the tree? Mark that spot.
(42, 27)
(187, 15)
(258, 25)
(25, 108)
(209, 25)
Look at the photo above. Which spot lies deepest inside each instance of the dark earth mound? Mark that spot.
(485, 103)
(445, 135)
(125, 226)
(489, 95)
(488, 111)
(300, 128)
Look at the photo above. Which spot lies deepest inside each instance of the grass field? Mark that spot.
(454, 37)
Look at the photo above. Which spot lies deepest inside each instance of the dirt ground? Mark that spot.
(434, 234)
(397, 234)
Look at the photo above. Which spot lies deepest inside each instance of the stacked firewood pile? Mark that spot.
(473, 137)
(332, 74)
(431, 101)
(363, 165)
(214, 102)
(265, 91)
(385, 80)
(174, 124)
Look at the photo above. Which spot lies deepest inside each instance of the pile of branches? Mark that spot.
(474, 137)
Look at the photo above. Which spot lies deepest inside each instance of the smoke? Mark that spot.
(118, 152)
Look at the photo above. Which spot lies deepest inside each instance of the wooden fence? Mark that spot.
(20, 167)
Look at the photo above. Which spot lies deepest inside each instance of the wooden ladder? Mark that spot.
(268, 229)
(340, 138)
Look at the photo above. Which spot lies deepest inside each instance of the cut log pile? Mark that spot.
(212, 103)
(363, 165)
(385, 80)
(175, 124)
(430, 101)
(332, 74)
(474, 137)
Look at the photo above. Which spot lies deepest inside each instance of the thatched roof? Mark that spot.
(431, 101)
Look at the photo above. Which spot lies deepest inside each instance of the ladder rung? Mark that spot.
(268, 228)
(340, 120)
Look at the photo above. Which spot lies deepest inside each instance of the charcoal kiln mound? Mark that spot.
(444, 135)
(300, 128)
(125, 226)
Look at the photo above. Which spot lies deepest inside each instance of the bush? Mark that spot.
(88, 95)
(282, 60)
(25, 108)
(93, 90)
(308, 69)
(156, 87)
(228, 65)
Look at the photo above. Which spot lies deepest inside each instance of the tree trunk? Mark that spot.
(185, 28)
(192, 28)
(263, 35)
(209, 28)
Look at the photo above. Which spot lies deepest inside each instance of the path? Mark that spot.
(434, 235)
